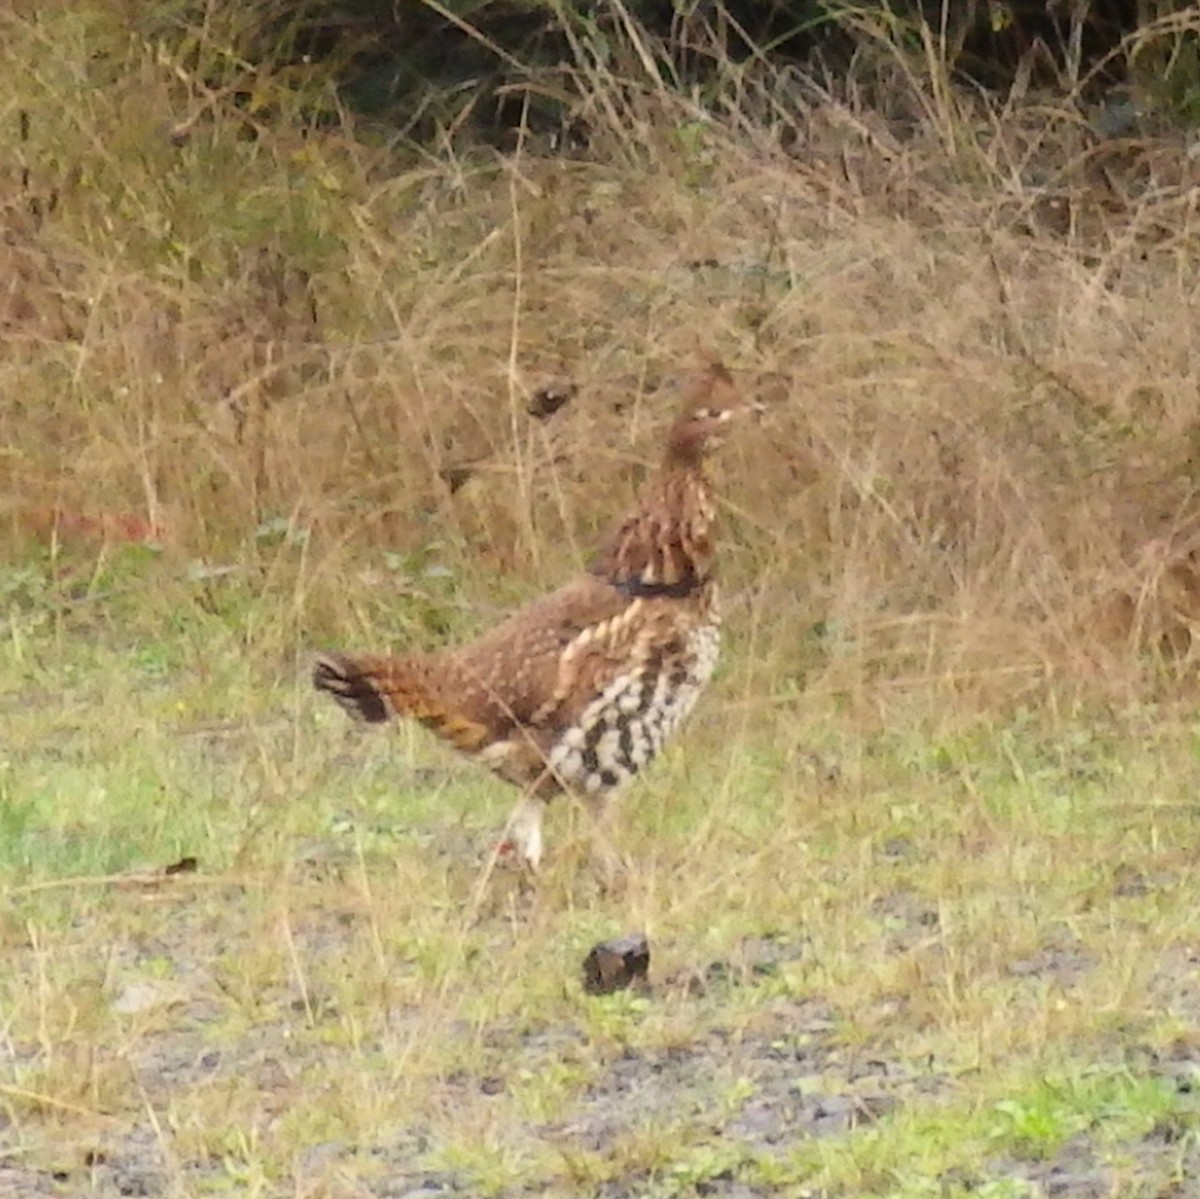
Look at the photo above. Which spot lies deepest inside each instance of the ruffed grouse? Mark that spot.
(579, 690)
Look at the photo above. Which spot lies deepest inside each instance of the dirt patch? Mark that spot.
(753, 1088)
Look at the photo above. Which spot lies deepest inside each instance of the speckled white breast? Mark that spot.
(629, 722)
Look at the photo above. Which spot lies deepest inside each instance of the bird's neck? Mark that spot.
(665, 548)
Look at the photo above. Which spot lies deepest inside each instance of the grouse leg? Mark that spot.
(523, 836)
(610, 864)
(524, 833)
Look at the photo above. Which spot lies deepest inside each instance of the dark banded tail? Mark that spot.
(352, 686)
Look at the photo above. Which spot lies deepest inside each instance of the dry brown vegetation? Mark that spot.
(975, 326)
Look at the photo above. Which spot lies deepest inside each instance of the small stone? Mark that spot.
(617, 964)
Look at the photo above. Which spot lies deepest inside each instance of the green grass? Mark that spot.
(1001, 916)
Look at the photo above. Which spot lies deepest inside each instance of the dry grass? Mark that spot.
(983, 430)
(946, 768)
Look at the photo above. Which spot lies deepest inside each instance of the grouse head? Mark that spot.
(711, 404)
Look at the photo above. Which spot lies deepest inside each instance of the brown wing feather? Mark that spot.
(515, 667)
(492, 686)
